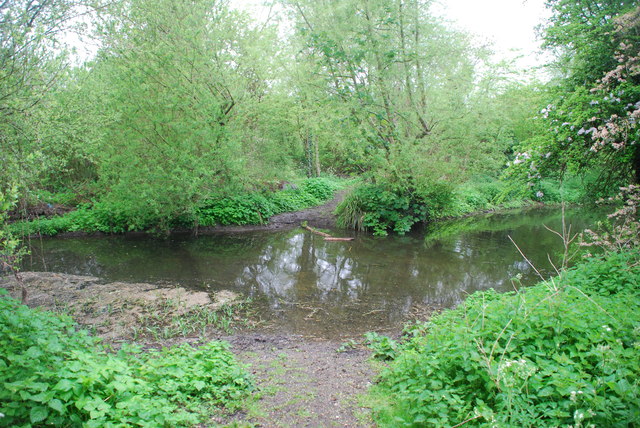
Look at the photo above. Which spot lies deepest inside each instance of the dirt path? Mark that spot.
(300, 382)
(320, 216)
(303, 383)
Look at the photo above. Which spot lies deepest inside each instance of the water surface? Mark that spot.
(304, 285)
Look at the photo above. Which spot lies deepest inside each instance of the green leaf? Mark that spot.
(56, 405)
(63, 385)
(38, 414)
(33, 352)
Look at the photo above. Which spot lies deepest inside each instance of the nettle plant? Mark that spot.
(54, 374)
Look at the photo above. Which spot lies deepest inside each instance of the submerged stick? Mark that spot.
(326, 236)
(316, 231)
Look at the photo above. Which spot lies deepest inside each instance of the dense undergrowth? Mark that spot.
(54, 374)
(239, 209)
(565, 352)
(384, 207)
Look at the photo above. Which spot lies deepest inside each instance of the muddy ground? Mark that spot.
(299, 382)
(304, 383)
(114, 310)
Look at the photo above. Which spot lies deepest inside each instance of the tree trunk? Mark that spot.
(317, 155)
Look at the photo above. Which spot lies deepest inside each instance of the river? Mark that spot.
(301, 284)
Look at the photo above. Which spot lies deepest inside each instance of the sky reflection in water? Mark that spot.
(305, 285)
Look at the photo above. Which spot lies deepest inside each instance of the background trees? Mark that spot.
(177, 90)
(166, 84)
(32, 63)
(192, 100)
(403, 79)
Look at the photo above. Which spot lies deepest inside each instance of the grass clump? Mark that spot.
(562, 353)
(53, 374)
(171, 319)
(383, 208)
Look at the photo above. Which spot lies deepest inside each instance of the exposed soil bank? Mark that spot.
(111, 310)
(38, 210)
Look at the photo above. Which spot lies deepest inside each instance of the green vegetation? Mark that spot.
(375, 207)
(588, 122)
(243, 208)
(54, 374)
(371, 207)
(564, 352)
(256, 208)
(191, 113)
(161, 322)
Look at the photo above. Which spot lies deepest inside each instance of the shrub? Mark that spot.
(380, 208)
(382, 347)
(561, 353)
(321, 188)
(250, 208)
(53, 374)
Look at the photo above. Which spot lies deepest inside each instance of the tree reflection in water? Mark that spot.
(311, 286)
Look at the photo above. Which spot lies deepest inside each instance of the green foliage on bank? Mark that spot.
(379, 208)
(588, 122)
(240, 209)
(383, 208)
(564, 352)
(54, 374)
(257, 208)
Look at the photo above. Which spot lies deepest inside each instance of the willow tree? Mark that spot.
(168, 84)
